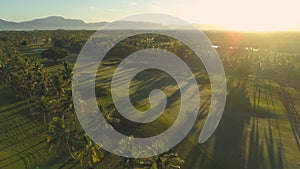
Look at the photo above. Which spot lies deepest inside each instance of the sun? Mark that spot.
(254, 15)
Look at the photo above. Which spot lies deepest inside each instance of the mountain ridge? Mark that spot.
(59, 22)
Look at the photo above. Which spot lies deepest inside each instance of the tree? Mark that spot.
(59, 134)
(127, 148)
(58, 43)
(43, 106)
(166, 161)
(23, 43)
(54, 54)
(89, 154)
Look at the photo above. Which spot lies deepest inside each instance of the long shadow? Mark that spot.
(153, 81)
(255, 155)
(276, 162)
(17, 141)
(203, 108)
(198, 155)
(8, 107)
(11, 112)
(27, 155)
(293, 115)
(280, 144)
(13, 162)
(26, 130)
(263, 93)
(4, 159)
(274, 157)
(5, 128)
(19, 132)
(230, 137)
(132, 126)
(240, 141)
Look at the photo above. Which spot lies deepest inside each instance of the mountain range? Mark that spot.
(58, 22)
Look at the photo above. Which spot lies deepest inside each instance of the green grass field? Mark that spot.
(23, 142)
(255, 131)
(260, 128)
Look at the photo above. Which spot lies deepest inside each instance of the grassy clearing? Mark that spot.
(259, 129)
(30, 51)
(256, 130)
(249, 136)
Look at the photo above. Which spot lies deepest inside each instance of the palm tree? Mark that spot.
(168, 160)
(163, 161)
(89, 154)
(127, 148)
(44, 106)
(61, 85)
(4, 68)
(67, 73)
(59, 135)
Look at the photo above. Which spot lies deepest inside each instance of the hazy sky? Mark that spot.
(238, 14)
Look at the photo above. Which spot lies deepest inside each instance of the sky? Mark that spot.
(235, 14)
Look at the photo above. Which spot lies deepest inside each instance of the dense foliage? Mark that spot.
(49, 97)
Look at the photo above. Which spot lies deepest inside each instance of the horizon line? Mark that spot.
(221, 27)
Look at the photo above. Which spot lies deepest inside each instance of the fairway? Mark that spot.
(255, 132)
(259, 129)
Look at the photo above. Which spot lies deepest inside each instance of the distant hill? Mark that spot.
(50, 23)
(57, 22)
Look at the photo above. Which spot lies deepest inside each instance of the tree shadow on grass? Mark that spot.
(239, 139)
(293, 115)
(230, 137)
